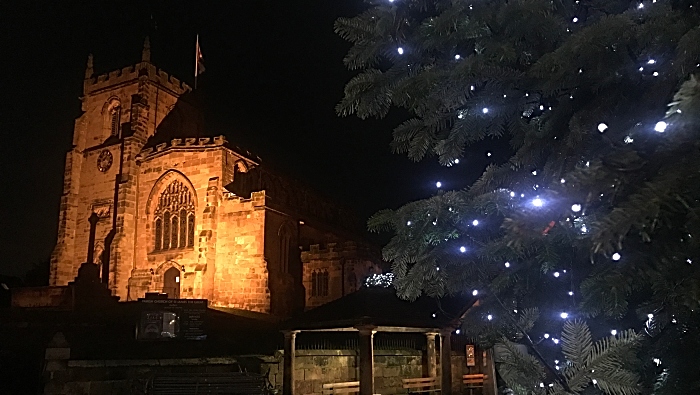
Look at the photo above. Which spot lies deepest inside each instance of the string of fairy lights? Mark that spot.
(538, 199)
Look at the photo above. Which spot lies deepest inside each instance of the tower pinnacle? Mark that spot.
(146, 54)
(89, 70)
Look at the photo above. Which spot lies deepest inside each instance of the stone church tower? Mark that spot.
(188, 215)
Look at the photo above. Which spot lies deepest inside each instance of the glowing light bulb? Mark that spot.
(457, 57)
(602, 127)
(563, 181)
(409, 223)
(458, 331)
(534, 172)
(616, 257)
(660, 126)
(640, 6)
(651, 61)
(575, 20)
(485, 110)
(576, 208)
(512, 194)
(462, 249)
(556, 341)
(556, 274)
(657, 361)
(507, 264)
(650, 316)
(594, 381)
(475, 222)
(434, 315)
(475, 292)
(400, 50)
(564, 315)
(438, 184)
(613, 332)
(546, 335)
(537, 202)
(571, 293)
(489, 317)
(472, 88)
(541, 107)
(655, 74)
(628, 140)
(488, 154)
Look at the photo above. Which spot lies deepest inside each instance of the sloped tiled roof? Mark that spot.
(382, 307)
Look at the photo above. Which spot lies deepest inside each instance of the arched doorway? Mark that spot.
(171, 283)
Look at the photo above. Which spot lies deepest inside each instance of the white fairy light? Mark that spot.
(546, 335)
(400, 50)
(456, 161)
(563, 181)
(571, 293)
(657, 361)
(537, 202)
(556, 341)
(576, 208)
(650, 316)
(434, 315)
(541, 107)
(488, 154)
(602, 127)
(641, 68)
(628, 140)
(651, 61)
(613, 332)
(475, 222)
(438, 184)
(489, 317)
(564, 315)
(457, 57)
(655, 74)
(575, 20)
(512, 194)
(660, 126)
(584, 229)
(409, 223)
(472, 87)
(475, 292)
(556, 361)
(507, 264)
(640, 6)
(594, 381)
(541, 385)
(557, 274)
(522, 195)
(690, 261)
(458, 331)
(616, 257)
(462, 249)
(485, 110)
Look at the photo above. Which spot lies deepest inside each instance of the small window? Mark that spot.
(190, 230)
(319, 283)
(115, 119)
(173, 232)
(183, 228)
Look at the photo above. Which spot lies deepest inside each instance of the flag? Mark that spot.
(198, 65)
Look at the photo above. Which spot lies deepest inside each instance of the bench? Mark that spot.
(472, 381)
(421, 385)
(341, 388)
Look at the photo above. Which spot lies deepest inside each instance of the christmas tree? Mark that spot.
(593, 216)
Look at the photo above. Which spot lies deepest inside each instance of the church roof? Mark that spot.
(186, 119)
(382, 307)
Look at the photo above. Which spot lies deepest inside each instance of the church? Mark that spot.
(186, 213)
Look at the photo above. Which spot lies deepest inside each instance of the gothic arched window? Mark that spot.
(173, 221)
(285, 238)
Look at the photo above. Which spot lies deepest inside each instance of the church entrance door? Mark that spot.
(171, 283)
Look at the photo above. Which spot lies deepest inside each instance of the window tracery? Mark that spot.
(113, 117)
(174, 218)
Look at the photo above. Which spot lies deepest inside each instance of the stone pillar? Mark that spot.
(366, 362)
(91, 238)
(289, 351)
(446, 360)
(432, 354)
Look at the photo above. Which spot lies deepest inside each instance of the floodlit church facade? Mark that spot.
(192, 216)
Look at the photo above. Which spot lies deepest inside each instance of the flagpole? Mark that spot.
(196, 62)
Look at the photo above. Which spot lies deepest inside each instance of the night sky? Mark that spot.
(274, 74)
